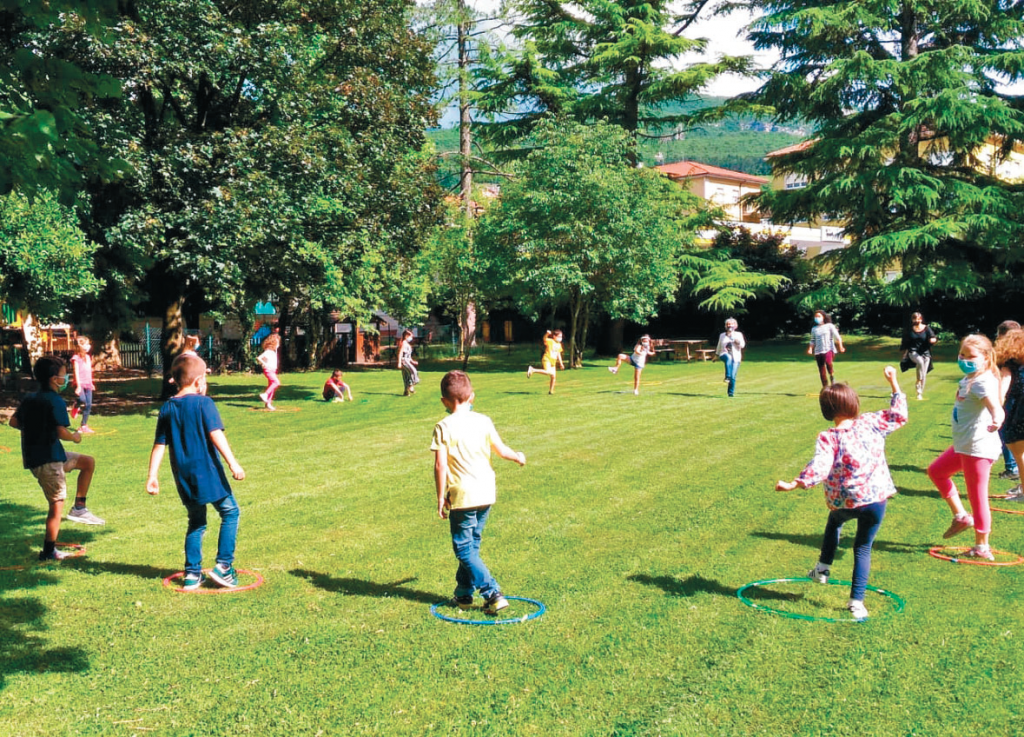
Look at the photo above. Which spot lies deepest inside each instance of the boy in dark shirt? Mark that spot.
(43, 421)
(190, 424)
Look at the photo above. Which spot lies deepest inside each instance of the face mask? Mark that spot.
(819, 320)
(968, 367)
(67, 380)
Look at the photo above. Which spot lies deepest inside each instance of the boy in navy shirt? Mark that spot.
(43, 421)
(190, 424)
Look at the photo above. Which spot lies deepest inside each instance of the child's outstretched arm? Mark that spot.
(220, 442)
(789, 485)
(997, 413)
(507, 453)
(441, 479)
(156, 457)
(893, 378)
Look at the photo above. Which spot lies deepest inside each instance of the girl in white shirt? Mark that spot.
(268, 360)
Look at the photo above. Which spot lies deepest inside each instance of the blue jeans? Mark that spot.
(731, 367)
(467, 527)
(869, 519)
(228, 510)
(84, 401)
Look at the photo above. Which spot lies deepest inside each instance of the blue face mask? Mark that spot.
(819, 320)
(968, 367)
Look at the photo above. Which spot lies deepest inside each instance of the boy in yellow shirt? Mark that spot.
(552, 359)
(466, 489)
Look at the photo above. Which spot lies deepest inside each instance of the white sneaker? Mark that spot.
(819, 574)
(613, 370)
(1016, 494)
(857, 609)
(84, 516)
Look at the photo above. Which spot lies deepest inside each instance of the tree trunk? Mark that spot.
(575, 308)
(465, 119)
(33, 343)
(108, 354)
(584, 328)
(612, 342)
(172, 339)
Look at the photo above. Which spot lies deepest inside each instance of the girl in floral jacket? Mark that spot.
(850, 459)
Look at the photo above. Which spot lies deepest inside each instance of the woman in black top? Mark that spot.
(917, 350)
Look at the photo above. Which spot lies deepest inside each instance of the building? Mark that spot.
(724, 188)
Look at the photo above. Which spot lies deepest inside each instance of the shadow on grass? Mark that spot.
(147, 573)
(684, 586)
(814, 541)
(907, 467)
(933, 493)
(359, 587)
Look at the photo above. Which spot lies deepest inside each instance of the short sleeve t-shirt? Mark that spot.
(468, 437)
(919, 343)
(269, 361)
(39, 415)
(82, 367)
(552, 350)
(184, 426)
(971, 418)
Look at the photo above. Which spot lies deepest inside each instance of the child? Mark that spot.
(43, 420)
(730, 350)
(335, 388)
(268, 360)
(850, 459)
(81, 362)
(1010, 470)
(464, 479)
(190, 424)
(1010, 358)
(551, 361)
(410, 376)
(638, 359)
(977, 415)
(825, 341)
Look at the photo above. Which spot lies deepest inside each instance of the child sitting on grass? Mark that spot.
(850, 459)
(335, 389)
(43, 420)
(466, 489)
(190, 424)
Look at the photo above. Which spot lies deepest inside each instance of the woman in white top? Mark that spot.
(825, 341)
(730, 351)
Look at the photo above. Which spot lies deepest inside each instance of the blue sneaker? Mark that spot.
(224, 577)
(192, 581)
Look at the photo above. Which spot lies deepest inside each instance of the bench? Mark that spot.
(706, 354)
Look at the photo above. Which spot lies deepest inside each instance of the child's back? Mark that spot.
(184, 425)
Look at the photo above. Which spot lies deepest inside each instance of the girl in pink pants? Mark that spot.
(977, 416)
(268, 360)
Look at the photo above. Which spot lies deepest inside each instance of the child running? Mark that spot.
(850, 459)
(268, 360)
(977, 416)
(551, 361)
(335, 388)
(638, 359)
(43, 420)
(465, 485)
(191, 426)
(1010, 357)
(825, 341)
(410, 374)
(81, 364)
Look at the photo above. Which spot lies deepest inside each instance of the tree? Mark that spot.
(276, 150)
(581, 227)
(45, 260)
(912, 127)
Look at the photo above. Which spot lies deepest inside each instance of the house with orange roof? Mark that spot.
(724, 188)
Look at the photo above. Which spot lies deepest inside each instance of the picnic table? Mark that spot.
(686, 348)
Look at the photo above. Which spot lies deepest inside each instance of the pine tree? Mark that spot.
(914, 134)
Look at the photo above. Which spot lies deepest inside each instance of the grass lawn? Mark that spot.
(635, 521)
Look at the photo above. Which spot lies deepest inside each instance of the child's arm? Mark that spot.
(1005, 379)
(348, 390)
(839, 339)
(156, 457)
(507, 453)
(996, 410)
(338, 391)
(441, 479)
(71, 437)
(817, 470)
(220, 442)
(789, 485)
(14, 422)
(78, 381)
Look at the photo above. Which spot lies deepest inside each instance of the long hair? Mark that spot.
(1010, 347)
(982, 345)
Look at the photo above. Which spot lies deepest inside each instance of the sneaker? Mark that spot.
(338, 399)
(1009, 475)
(979, 551)
(857, 609)
(960, 523)
(84, 516)
(55, 555)
(819, 574)
(224, 577)
(462, 602)
(1016, 494)
(263, 398)
(271, 408)
(529, 372)
(613, 370)
(919, 395)
(495, 604)
(74, 412)
(192, 581)
(86, 430)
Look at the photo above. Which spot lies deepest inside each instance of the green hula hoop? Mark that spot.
(806, 617)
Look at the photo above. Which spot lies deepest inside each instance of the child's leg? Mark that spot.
(274, 383)
(830, 540)
(53, 516)
(467, 526)
(1017, 452)
(828, 365)
(976, 474)
(86, 399)
(941, 473)
(636, 380)
(194, 538)
(869, 519)
(618, 362)
(86, 466)
(228, 510)
(819, 358)
(551, 381)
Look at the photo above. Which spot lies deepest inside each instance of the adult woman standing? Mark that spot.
(730, 351)
(917, 350)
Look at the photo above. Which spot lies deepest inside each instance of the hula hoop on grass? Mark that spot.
(77, 551)
(278, 409)
(168, 582)
(4, 449)
(1006, 511)
(525, 618)
(936, 552)
(897, 601)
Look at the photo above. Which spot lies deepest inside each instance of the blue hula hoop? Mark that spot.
(517, 620)
(897, 601)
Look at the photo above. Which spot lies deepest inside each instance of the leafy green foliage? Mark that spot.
(905, 98)
(45, 260)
